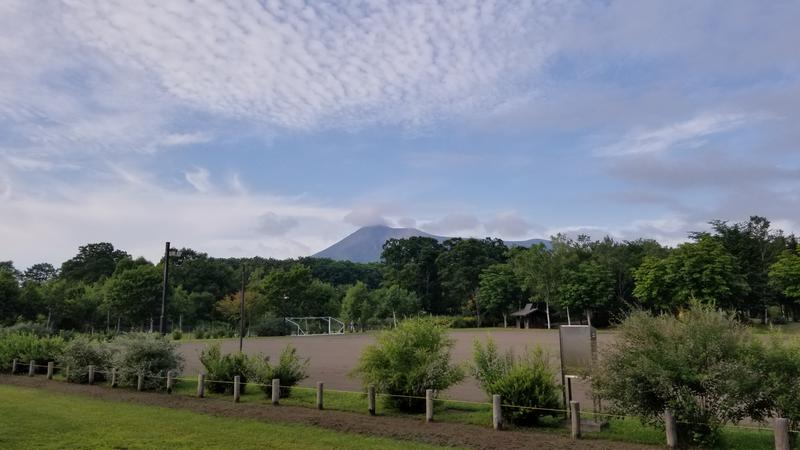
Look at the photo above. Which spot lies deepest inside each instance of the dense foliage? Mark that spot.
(746, 268)
(290, 370)
(408, 360)
(221, 369)
(526, 381)
(80, 353)
(147, 354)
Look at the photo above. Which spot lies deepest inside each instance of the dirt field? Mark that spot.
(334, 357)
(412, 430)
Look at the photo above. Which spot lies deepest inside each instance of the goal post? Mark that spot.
(315, 326)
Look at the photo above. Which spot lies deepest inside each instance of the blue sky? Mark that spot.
(276, 128)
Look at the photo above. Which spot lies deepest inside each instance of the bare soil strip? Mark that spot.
(449, 434)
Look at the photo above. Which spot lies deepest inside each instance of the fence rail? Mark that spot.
(781, 427)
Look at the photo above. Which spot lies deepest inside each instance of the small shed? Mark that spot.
(525, 316)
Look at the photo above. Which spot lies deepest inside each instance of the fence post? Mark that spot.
(497, 413)
(236, 388)
(371, 399)
(319, 395)
(671, 428)
(91, 374)
(113, 377)
(428, 405)
(50, 368)
(66, 373)
(32, 368)
(140, 382)
(169, 382)
(201, 385)
(782, 434)
(14, 366)
(276, 390)
(575, 418)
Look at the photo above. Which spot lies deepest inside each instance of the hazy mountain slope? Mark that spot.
(366, 243)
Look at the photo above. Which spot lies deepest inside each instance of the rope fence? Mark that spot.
(780, 427)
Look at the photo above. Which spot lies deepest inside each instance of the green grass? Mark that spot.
(33, 418)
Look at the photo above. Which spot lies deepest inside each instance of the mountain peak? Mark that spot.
(366, 244)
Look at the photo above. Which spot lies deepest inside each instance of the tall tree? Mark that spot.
(135, 295)
(411, 264)
(9, 297)
(295, 292)
(40, 273)
(499, 293)
(540, 270)
(459, 267)
(393, 302)
(92, 263)
(357, 307)
(784, 275)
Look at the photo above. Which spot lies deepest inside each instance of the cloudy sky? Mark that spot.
(277, 127)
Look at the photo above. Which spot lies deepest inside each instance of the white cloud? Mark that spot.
(199, 179)
(509, 225)
(688, 133)
(454, 224)
(176, 139)
(304, 65)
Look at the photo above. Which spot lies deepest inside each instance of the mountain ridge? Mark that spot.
(365, 244)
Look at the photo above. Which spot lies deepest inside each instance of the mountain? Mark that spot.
(366, 243)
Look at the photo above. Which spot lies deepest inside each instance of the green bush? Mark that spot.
(214, 330)
(146, 353)
(177, 335)
(700, 364)
(465, 322)
(269, 327)
(26, 347)
(33, 328)
(778, 361)
(408, 360)
(527, 381)
(291, 369)
(82, 352)
(220, 369)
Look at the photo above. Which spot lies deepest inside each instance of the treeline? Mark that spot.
(748, 268)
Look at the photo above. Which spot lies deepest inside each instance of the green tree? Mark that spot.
(784, 274)
(92, 263)
(9, 297)
(701, 270)
(589, 287)
(459, 267)
(357, 306)
(295, 292)
(394, 302)
(40, 273)
(411, 264)
(499, 293)
(135, 295)
(540, 270)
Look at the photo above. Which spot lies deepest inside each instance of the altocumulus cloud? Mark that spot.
(310, 64)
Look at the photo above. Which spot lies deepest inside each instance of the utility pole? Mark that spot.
(241, 314)
(164, 288)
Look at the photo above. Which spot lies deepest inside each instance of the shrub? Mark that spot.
(215, 330)
(146, 353)
(409, 359)
(33, 328)
(269, 327)
(177, 335)
(465, 322)
(82, 352)
(700, 365)
(291, 369)
(778, 362)
(525, 381)
(25, 347)
(222, 368)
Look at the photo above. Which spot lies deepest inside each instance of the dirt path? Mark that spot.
(448, 434)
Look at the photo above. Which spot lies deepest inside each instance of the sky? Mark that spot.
(275, 128)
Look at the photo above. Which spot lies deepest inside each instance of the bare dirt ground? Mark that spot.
(334, 357)
(448, 434)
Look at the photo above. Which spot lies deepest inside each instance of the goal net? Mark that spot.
(314, 326)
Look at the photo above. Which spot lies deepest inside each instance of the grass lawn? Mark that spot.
(32, 418)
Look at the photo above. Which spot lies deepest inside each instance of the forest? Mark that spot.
(748, 268)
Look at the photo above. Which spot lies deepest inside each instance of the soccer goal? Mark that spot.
(314, 326)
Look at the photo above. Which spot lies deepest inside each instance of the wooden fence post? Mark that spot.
(169, 382)
(371, 399)
(236, 388)
(575, 418)
(14, 366)
(429, 405)
(66, 373)
(782, 434)
(276, 390)
(497, 413)
(319, 395)
(91, 374)
(50, 368)
(671, 428)
(140, 382)
(113, 377)
(32, 368)
(201, 385)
